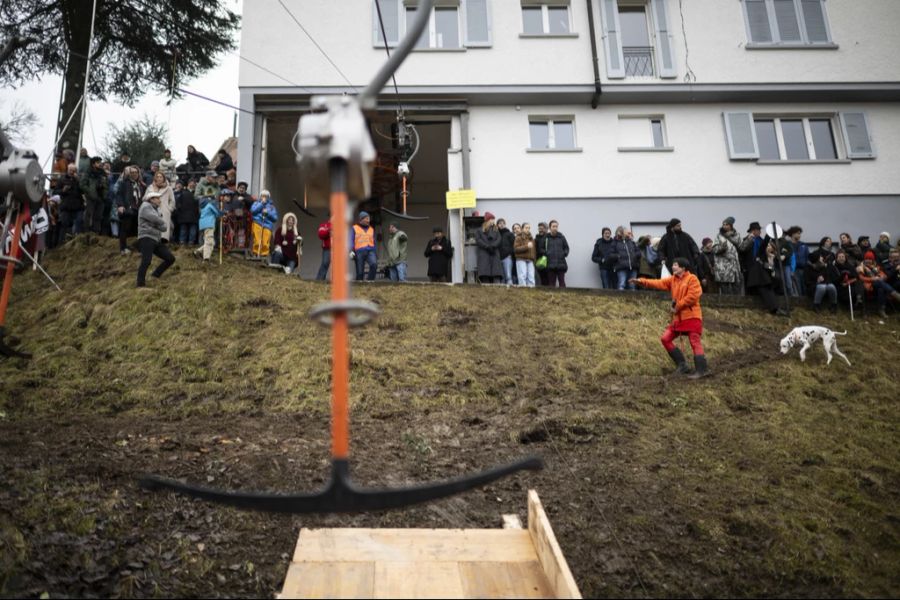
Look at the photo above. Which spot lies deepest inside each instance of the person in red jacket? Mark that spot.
(687, 319)
(325, 236)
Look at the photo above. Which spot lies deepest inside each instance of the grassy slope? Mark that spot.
(774, 476)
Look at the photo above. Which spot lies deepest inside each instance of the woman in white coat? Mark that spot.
(167, 201)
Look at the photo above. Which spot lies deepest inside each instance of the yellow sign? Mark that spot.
(460, 199)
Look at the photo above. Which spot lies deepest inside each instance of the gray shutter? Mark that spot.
(855, 127)
(787, 19)
(758, 22)
(612, 43)
(814, 20)
(477, 17)
(741, 135)
(390, 12)
(664, 50)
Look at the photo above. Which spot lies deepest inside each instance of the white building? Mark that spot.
(763, 110)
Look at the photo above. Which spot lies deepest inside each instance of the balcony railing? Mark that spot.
(638, 61)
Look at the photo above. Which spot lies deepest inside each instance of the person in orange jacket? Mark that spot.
(687, 318)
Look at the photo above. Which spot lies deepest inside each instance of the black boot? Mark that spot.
(680, 364)
(701, 369)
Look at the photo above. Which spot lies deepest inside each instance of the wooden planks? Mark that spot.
(432, 563)
(549, 553)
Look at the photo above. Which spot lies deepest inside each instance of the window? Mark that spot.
(641, 133)
(636, 39)
(442, 31)
(545, 19)
(453, 24)
(556, 133)
(804, 138)
(787, 23)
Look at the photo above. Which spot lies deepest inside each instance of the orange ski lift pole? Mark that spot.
(303, 208)
(405, 132)
(341, 164)
(20, 182)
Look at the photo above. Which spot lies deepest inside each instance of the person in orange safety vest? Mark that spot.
(362, 247)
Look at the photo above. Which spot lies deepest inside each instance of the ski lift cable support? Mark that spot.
(336, 156)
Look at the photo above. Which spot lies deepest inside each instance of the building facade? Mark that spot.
(599, 112)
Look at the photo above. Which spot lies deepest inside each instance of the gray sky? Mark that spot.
(189, 120)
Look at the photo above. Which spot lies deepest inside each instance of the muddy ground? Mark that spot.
(772, 478)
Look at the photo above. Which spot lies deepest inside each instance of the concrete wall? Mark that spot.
(865, 30)
(698, 166)
(581, 220)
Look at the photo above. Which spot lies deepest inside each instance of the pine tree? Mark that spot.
(140, 46)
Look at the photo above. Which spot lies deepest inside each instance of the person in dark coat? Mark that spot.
(439, 253)
(94, 187)
(557, 251)
(128, 202)
(197, 160)
(762, 276)
(490, 269)
(850, 288)
(71, 204)
(605, 256)
(854, 253)
(507, 247)
(539, 246)
(822, 277)
(225, 163)
(677, 243)
(187, 214)
(629, 258)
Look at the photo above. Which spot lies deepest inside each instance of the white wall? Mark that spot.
(865, 30)
(698, 166)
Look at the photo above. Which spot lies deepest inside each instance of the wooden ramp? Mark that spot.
(432, 563)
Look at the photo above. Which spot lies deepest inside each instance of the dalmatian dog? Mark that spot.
(810, 334)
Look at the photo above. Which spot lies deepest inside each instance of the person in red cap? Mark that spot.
(687, 318)
(875, 282)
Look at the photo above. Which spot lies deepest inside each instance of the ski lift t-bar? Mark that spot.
(336, 154)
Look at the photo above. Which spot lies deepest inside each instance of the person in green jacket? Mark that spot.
(396, 243)
(94, 187)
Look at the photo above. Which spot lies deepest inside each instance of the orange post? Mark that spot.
(404, 194)
(340, 344)
(10, 267)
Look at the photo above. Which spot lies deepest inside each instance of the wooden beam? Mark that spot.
(548, 551)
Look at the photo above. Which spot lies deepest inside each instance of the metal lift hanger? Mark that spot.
(336, 154)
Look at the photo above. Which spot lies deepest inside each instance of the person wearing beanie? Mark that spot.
(94, 187)
(875, 282)
(677, 243)
(362, 244)
(209, 217)
(151, 225)
(265, 215)
(883, 248)
(687, 317)
(727, 264)
(397, 244)
(439, 253)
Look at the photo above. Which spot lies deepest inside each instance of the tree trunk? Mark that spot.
(77, 23)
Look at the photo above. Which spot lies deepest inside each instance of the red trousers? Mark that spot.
(693, 328)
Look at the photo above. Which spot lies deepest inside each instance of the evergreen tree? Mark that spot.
(144, 140)
(139, 46)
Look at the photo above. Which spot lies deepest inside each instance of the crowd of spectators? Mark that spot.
(194, 198)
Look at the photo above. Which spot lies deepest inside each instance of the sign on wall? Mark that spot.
(460, 199)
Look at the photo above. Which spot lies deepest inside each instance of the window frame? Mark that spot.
(777, 43)
(462, 20)
(431, 30)
(550, 121)
(650, 119)
(840, 150)
(545, 6)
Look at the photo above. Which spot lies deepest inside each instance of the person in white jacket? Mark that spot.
(167, 165)
(161, 186)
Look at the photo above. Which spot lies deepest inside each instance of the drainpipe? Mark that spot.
(595, 100)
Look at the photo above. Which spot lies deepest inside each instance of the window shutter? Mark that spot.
(390, 13)
(741, 136)
(476, 15)
(664, 50)
(758, 21)
(612, 43)
(786, 18)
(814, 20)
(856, 135)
